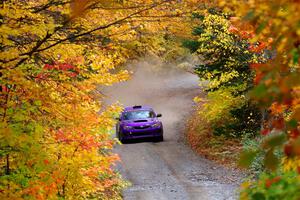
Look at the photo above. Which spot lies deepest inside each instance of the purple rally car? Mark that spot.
(139, 122)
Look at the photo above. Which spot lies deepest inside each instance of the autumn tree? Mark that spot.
(54, 144)
(226, 73)
(275, 24)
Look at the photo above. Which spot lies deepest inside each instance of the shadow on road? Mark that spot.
(142, 140)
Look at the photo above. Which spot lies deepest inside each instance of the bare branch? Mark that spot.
(37, 48)
(100, 27)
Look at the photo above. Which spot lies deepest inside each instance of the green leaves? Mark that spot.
(295, 55)
(270, 145)
(261, 27)
(292, 123)
(197, 30)
(271, 161)
(276, 25)
(227, 53)
(258, 196)
(259, 91)
(191, 45)
(198, 16)
(274, 140)
(273, 185)
(250, 15)
(247, 157)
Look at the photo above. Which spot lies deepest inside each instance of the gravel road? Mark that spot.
(168, 170)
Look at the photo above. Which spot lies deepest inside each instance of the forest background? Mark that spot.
(55, 54)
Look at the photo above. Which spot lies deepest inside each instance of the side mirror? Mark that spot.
(158, 115)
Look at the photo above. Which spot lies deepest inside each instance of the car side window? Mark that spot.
(152, 114)
(122, 117)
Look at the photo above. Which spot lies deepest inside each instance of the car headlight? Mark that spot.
(128, 127)
(156, 125)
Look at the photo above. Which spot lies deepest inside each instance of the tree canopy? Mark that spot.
(55, 132)
(55, 137)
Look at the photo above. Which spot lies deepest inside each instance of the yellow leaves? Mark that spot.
(245, 185)
(298, 31)
(225, 77)
(197, 99)
(220, 103)
(107, 117)
(65, 52)
(290, 164)
(9, 54)
(58, 66)
(78, 7)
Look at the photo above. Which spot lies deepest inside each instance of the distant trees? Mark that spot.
(272, 25)
(227, 73)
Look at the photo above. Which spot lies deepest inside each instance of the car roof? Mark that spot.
(132, 108)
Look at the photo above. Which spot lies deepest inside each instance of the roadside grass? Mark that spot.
(220, 149)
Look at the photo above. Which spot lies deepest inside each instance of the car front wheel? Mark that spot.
(120, 137)
(159, 138)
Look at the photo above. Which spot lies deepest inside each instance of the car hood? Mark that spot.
(138, 122)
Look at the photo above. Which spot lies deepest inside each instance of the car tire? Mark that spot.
(159, 139)
(120, 137)
(123, 141)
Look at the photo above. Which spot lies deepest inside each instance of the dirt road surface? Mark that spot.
(168, 170)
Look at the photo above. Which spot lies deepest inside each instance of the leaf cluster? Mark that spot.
(226, 73)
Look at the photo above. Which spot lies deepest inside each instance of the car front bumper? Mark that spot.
(144, 133)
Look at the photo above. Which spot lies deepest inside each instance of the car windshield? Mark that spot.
(139, 114)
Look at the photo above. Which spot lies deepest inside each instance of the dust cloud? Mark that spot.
(165, 87)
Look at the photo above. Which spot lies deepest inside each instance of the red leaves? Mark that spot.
(270, 182)
(258, 77)
(259, 72)
(88, 142)
(258, 48)
(83, 140)
(48, 67)
(278, 123)
(47, 184)
(233, 29)
(261, 46)
(255, 66)
(288, 150)
(265, 131)
(4, 89)
(46, 162)
(294, 133)
(60, 66)
(62, 136)
(277, 108)
(65, 67)
(292, 148)
(72, 74)
(41, 76)
(243, 34)
(247, 34)
(50, 70)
